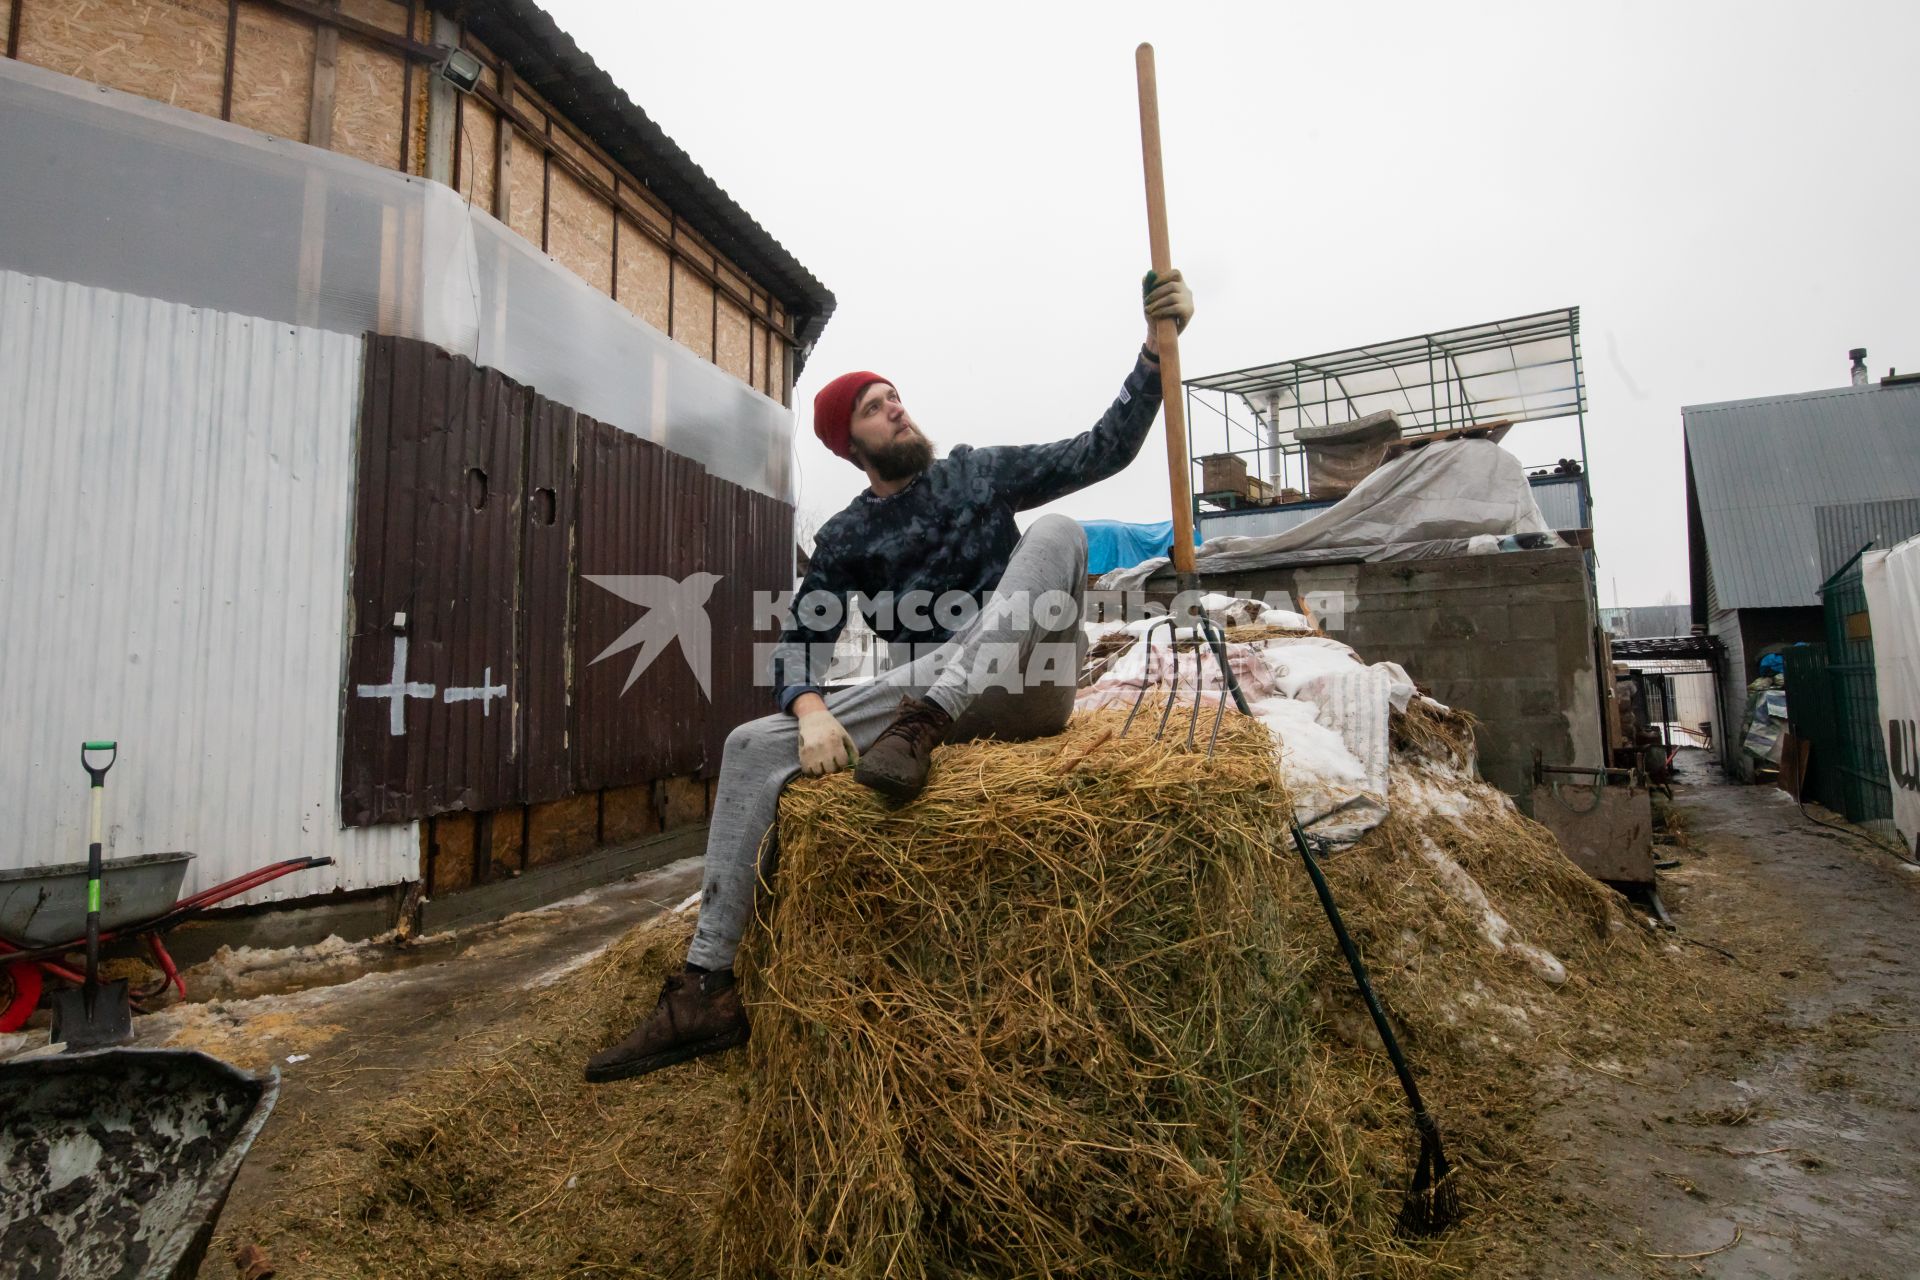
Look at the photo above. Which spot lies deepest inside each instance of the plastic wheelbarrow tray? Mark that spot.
(117, 1163)
(42, 906)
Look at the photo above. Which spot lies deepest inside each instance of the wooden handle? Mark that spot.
(1179, 470)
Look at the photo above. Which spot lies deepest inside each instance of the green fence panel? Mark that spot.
(1865, 791)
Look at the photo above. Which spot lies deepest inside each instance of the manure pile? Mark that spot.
(1073, 1012)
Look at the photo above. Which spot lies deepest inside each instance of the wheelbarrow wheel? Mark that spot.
(19, 993)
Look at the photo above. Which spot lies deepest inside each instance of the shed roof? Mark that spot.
(1767, 473)
(561, 72)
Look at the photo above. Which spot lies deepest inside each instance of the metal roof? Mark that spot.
(1517, 370)
(558, 70)
(1647, 621)
(1762, 469)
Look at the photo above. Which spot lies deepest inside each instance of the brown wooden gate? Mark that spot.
(529, 593)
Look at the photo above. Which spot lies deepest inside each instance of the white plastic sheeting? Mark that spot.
(175, 488)
(1327, 710)
(1429, 502)
(1892, 582)
(107, 189)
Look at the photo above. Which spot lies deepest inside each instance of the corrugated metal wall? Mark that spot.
(175, 489)
(543, 604)
(1845, 528)
(430, 721)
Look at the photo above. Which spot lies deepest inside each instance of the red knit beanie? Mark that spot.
(833, 409)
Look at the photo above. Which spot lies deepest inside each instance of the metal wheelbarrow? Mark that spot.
(39, 907)
(118, 1162)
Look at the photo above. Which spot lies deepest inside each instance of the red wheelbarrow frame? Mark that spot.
(47, 960)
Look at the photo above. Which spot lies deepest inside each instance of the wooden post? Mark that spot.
(503, 151)
(326, 64)
(443, 105)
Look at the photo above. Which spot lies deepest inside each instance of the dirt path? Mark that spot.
(1798, 1136)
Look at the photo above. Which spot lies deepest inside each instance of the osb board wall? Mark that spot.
(733, 341)
(692, 316)
(272, 71)
(474, 164)
(372, 84)
(175, 51)
(642, 286)
(580, 230)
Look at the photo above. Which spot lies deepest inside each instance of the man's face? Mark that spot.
(884, 436)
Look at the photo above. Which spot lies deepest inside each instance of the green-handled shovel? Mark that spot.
(94, 1016)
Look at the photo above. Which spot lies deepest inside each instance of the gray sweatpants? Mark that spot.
(979, 677)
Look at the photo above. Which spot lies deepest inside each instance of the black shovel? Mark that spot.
(94, 1016)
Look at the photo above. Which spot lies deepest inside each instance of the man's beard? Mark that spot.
(899, 459)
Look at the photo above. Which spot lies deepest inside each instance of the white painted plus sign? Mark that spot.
(484, 693)
(397, 690)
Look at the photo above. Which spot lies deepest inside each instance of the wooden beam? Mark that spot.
(329, 16)
(13, 28)
(406, 100)
(226, 71)
(503, 152)
(443, 114)
(326, 66)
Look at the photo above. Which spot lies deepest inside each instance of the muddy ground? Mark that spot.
(1786, 1145)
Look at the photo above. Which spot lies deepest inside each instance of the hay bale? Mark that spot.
(1046, 1020)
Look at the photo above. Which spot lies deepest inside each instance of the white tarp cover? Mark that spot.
(1429, 502)
(1892, 582)
(1327, 710)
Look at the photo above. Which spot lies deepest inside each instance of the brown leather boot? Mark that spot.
(896, 764)
(698, 1014)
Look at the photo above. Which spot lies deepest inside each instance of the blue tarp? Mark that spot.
(1115, 544)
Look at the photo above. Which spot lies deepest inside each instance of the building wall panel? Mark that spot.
(272, 71)
(430, 696)
(692, 311)
(643, 271)
(368, 93)
(175, 487)
(733, 336)
(547, 595)
(526, 188)
(580, 230)
(173, 51)
(478, 137)
(642, 516)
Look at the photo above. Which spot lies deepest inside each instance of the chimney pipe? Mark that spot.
(1859, 358)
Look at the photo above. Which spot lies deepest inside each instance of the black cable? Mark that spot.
(1847, 829)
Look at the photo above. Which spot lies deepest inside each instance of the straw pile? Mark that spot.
(1044, 1021)
(1085, 1018)
(1074, 1012)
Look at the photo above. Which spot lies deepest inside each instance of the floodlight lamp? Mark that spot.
(461, 70)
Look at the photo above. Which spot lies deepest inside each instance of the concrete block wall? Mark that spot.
(1508, 637)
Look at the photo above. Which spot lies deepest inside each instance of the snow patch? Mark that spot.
(1494, 927)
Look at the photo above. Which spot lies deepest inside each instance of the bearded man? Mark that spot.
(925, 532)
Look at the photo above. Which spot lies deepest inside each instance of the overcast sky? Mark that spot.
(1728, 192)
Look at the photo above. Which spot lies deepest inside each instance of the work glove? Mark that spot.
(825, 747)
(1167, 298)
